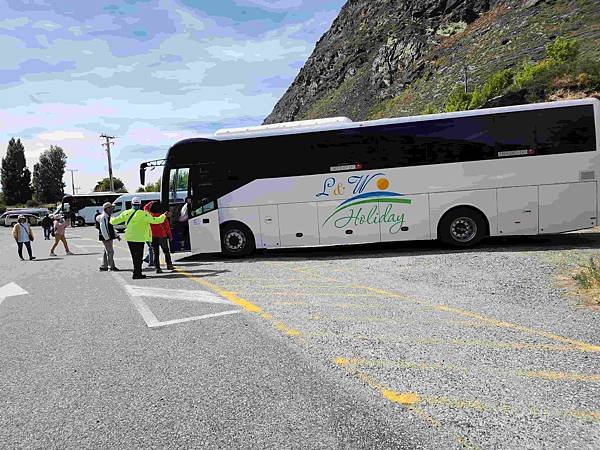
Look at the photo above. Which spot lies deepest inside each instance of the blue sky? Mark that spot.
(149, 72)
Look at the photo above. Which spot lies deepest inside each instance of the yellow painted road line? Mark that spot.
(444, 367)
(409, 401)
(494, 345)
(583, 346)
(412, 400)
(247, 305)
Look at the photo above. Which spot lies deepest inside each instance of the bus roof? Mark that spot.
(335, 124)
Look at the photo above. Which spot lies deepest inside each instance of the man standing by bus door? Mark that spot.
(137, 232)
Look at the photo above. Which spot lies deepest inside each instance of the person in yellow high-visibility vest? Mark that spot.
(137, 232)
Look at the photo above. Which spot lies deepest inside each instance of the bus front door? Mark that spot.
(205, 233)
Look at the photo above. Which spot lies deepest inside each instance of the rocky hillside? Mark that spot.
(386, 58)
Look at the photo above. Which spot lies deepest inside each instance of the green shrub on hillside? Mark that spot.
(457, 101)
(562, 50)
(561, 69)
(493, 87)
(430, 109)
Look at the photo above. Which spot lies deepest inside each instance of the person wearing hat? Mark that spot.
(137, 232)
(107, 234)
(23, 236)
(60, 225)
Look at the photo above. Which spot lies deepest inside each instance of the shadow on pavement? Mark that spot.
(196, 273)
(514, 244)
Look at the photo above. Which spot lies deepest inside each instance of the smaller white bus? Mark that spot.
(85, 206)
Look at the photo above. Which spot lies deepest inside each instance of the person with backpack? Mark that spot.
(107, 234)
(137, 232)
(23, 236)
(161, 235)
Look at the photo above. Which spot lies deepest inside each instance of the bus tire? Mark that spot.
(462, 227)
(237, 240)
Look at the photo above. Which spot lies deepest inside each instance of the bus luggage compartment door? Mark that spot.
(518, 210)
(567, 207)
(205, 233)
(342, 224)
(405, 219)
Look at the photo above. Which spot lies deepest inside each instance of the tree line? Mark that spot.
(19, 186)
(45, 185)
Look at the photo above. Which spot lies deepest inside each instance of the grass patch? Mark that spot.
(587, 278)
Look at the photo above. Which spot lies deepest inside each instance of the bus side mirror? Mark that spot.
(143, 174)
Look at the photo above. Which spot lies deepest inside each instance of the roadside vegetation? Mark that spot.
(563, 73)
(587, 278)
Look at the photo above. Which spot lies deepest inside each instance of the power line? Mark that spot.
(109, 141)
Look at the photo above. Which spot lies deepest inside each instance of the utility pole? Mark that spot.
(107, 145)
(73, 179)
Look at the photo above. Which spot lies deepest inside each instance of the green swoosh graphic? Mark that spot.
(405, 201)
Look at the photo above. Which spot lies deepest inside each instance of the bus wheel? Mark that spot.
(237, 240)
(462, 227)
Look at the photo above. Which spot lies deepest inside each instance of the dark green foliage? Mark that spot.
(16, 177)
(497, 84)
(150, 187)
(458, 101)
(48, 175)
(104, 185)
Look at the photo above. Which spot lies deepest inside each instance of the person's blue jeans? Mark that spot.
(47, 231)
(150, 256)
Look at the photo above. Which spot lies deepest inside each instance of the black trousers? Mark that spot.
(137, 255)
(27, 245)
(164, 244)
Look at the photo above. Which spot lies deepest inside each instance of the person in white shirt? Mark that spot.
(23, 236)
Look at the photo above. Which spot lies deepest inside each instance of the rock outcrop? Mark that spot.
(395, 57)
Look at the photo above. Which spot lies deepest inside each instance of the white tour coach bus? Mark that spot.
(457, 177)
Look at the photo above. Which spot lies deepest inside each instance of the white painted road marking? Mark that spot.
(11, 290)
(176, 294)
(135, 294)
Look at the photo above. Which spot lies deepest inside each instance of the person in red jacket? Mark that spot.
(161, 235)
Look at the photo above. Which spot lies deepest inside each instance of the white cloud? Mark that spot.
(46, 25)
(13, 24)
(60, 135)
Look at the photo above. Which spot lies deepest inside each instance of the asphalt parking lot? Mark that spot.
(412, 345)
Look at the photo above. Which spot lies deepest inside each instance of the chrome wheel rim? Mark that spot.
(463, 229)
(235, 240)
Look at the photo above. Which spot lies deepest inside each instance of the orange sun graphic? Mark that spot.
(383, 184)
